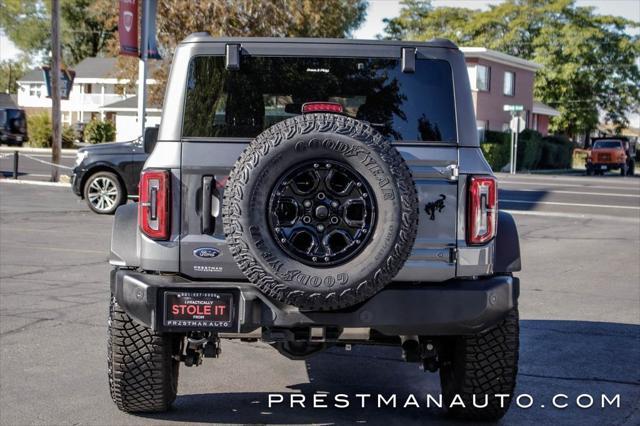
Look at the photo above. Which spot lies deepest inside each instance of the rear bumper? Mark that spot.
(13, 138)
(452, 308)
(605, 166)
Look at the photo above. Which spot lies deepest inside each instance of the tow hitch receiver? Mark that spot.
(200, 344)
(420, 350)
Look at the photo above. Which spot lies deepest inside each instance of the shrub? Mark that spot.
(98, 131)
(496, 149)
(40, 131)
(530, 147)
(557, 152)
(534, 150)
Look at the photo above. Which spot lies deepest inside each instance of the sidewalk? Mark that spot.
(29, 150)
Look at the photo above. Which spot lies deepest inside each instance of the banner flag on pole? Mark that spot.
(128, 27)
(150, 22)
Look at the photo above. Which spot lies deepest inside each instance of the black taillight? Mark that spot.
(482, 209)
(154, 204)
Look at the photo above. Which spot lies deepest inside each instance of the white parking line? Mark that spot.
(573, 215)
(35, 182)
(40, 156)
(605, 194)
(554, 203)
(513, 182)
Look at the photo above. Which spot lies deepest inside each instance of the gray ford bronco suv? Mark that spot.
(312, 193)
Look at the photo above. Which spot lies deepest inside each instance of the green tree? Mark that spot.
(588, 60)
(87, 27)
(24, 22)
(10, 72)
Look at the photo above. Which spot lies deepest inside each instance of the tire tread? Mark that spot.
(486, 364)
(140, 365)
(234, 193)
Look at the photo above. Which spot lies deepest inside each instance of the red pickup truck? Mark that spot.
(610, 154)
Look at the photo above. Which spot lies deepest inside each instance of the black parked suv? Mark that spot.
(313, 193)
(13, 126)
(107, 174)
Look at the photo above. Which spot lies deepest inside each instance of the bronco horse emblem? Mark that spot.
(435, 206)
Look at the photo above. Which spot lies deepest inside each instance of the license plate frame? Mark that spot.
(210, 310)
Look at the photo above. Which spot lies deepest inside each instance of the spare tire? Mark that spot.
(320, 211)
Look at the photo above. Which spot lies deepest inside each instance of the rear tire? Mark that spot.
(483, 364)
(143, 375)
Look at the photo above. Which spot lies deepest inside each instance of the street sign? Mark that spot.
(513, 108)
(517, 124)
(66, 81)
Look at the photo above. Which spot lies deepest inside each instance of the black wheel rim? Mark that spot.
(322, 213)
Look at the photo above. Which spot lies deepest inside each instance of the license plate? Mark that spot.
(201, 310)
(18, 138)
(603, 167)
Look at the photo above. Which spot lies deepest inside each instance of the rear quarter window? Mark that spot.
(402, 106)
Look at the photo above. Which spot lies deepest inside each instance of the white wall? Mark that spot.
(34, 95)
(127, 125)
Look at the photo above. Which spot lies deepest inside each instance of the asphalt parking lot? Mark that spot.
(579, 306)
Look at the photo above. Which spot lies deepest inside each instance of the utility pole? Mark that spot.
(142, 67)
(56, 143)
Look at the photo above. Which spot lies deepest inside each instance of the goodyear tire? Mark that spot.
(320, 211)
(481, 366)
(143, 375)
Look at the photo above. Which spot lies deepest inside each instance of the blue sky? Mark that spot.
(380, 9)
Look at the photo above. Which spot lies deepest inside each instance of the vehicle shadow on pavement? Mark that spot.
(569, 357)
(519, 200)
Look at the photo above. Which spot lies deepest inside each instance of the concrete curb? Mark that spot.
(36, 182)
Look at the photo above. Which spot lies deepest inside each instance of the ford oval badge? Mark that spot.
(206, 252)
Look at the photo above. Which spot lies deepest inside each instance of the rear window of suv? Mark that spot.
(415, 106)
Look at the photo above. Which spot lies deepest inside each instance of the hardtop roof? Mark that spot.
(207, 38)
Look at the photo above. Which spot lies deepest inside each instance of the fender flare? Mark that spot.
(124, 237)
(507, 249)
